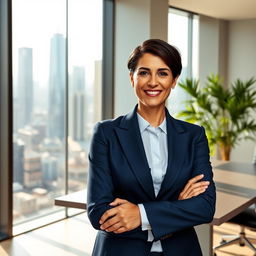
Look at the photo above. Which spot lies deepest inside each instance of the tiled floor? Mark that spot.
(75, 237)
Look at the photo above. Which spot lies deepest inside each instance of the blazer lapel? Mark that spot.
(131, 142)
(176, 143)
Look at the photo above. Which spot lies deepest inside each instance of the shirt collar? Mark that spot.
(144, 124)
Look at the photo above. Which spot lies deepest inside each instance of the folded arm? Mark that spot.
(195, 205)
(166, 217)
(100, 187)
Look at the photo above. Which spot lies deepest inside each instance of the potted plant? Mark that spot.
(227, 114)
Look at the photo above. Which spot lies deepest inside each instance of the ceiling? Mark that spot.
(222, 9)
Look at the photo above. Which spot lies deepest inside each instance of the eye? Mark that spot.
(143, 73)
(163, 73)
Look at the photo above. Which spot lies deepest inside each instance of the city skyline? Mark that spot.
(38, 139)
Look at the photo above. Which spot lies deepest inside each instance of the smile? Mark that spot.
(152, 93)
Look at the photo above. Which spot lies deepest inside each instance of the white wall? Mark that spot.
(213, 39)
(208, 47)
(242, 64)
(136, 21)
(229, 48)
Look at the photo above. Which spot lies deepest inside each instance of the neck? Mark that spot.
(154, 115)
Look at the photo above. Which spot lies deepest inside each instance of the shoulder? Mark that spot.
(193, 129)
(106, 126)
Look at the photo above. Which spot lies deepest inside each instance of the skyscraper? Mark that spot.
(97, 96)
(25, 87)
(18, 159)
(57, 81)
(32, 169)
(49, 168)
(78, 114)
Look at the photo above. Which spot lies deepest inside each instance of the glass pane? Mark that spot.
(195, 48)
(178, 35)
(39, 41)
(85, 58)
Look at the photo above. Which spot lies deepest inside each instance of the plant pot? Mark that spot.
(225, 151)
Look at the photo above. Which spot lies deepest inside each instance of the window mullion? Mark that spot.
(6, 119)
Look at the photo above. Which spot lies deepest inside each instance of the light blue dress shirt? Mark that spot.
(155, 145)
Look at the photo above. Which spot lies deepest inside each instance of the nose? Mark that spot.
(153, 82)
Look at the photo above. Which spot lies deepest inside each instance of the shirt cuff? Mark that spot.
(144, 219)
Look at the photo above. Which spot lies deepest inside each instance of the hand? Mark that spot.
(194, 188)
(124, 217)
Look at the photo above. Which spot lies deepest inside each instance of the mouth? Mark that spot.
(152, 93)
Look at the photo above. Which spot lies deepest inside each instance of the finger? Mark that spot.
(192, 181)
(193, 188)
(198, 185)
(108, 223)
(120, 230)
(114, 227)
(118, 201)
(196, 178)
(107, 214)
(197, 191)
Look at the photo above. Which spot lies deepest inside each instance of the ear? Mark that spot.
(131, 78)
(175, 82)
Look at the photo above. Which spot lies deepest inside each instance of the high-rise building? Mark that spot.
(77, 113)
(25, 87)
(78, 79)
(32, 169)
(57, 80)
(79, 116)
(30, 137)
(97, 96)
(18, 159)
(49, 168)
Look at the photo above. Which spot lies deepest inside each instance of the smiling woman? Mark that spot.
(150, 179)
(152, 82)
(154, 72)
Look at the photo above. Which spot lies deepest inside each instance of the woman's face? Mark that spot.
(152, 81)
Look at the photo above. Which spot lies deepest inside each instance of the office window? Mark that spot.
(84, 94)
(183, 34)
(57, 55)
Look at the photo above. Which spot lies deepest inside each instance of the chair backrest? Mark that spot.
(246, 218)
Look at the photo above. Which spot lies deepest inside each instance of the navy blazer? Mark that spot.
(118, 167)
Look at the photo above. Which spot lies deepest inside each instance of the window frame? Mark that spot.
(6, 119)
(6, 102)
(190, 43)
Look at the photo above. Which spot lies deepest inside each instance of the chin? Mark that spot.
(154, 104)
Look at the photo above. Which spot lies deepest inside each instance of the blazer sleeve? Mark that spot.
(166, 217)
(100, 186)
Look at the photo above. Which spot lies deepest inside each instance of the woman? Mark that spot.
(150, 179)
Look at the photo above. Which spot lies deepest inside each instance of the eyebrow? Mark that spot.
(160, 69)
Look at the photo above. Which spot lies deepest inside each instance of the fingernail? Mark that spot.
(100, 222)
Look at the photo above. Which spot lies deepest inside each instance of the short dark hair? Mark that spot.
(168, 53)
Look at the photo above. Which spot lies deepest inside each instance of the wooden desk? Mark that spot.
(73, 200)
(236, 190)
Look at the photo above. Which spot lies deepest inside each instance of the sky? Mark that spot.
(36, 21)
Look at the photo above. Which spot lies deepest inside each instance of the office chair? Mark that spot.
(247, 219)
